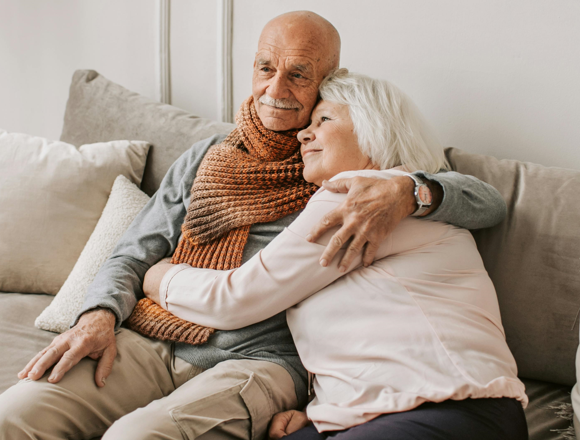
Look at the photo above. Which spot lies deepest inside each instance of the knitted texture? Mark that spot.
(253, 176)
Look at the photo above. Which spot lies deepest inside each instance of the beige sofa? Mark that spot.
(533, 256)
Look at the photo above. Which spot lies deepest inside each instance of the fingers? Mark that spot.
(336, 242)
(354, 250)
(333, 218)
(337, 186)
(68, 360)
(29, 366)
(105, 365)
(50, 356)
(370, 252)
(278, 425)
(298, 421)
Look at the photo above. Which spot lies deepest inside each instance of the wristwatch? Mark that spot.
(423, 195)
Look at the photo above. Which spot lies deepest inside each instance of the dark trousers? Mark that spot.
(471, 419)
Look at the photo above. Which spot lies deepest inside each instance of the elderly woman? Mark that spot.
(411, 347)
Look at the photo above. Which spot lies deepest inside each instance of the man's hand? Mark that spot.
(287, 422)
(153, 278)
(93, 336)
(371, 211)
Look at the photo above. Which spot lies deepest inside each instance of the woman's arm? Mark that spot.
(280, 276)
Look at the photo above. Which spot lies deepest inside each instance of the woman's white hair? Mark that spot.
(390, 129)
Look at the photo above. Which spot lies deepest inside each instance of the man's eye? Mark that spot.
(265, 69)
(297, 75)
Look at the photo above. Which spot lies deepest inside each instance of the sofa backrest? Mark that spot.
(533, 258)
(99, 110)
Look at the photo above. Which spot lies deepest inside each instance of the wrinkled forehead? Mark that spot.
(283, 42)
(290, 59)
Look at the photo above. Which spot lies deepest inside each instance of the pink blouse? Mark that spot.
(422, 323)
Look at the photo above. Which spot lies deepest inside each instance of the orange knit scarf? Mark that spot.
(253, 176)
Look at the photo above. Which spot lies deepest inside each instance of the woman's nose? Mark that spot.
(305, 136)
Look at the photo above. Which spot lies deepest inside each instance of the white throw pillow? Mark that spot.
(125, 202)
(51, 197)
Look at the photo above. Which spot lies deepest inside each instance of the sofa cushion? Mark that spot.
(51, 197)
(533, 258)
(99, 110)
(20, 341)
(125, 202)
(549, 410)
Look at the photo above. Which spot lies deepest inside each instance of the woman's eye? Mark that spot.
(324, 118)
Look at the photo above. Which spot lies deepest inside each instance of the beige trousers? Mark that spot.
(150, 394)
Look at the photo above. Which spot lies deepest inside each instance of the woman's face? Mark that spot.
(329, 144)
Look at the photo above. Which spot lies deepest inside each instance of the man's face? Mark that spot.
(287, 73)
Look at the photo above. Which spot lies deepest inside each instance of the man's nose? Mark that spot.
(277, 88)
(305, 136)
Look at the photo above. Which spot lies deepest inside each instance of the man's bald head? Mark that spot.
(296, 51)
(306, 29)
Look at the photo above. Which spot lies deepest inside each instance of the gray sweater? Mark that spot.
(154, 234)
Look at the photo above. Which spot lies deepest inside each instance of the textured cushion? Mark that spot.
(125, 202)
(20, 341)
(51, 197)
(533, 258)
(99, 110)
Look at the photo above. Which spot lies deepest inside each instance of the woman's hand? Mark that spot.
(287, 422)
(153, 278)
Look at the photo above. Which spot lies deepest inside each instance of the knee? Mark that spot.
(143, 424)
(22, 411)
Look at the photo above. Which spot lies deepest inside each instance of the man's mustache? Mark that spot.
(283, 103)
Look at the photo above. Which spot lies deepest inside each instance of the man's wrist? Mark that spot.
(101, 312)
(407, 192)
(436, 194)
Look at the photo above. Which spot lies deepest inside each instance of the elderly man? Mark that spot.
(97, 379)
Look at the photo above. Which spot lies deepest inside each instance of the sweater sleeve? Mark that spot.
(278, 277)
(467, 201)
(152, 236)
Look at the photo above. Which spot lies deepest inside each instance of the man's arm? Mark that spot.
(374, 208)
(113, 294)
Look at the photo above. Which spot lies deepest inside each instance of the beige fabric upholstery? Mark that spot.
(99, 110)
(20, 340)
(51, 196)
(533, 258)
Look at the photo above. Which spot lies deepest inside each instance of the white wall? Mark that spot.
(43, 42)
(194, 56)
(493, 76)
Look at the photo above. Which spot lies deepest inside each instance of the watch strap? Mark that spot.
(421, 206)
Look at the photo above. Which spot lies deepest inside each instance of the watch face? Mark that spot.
(425, 195)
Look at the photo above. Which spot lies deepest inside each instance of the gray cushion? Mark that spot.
(533, 258)
(543, 420)
(99, 110)
(20, 341)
